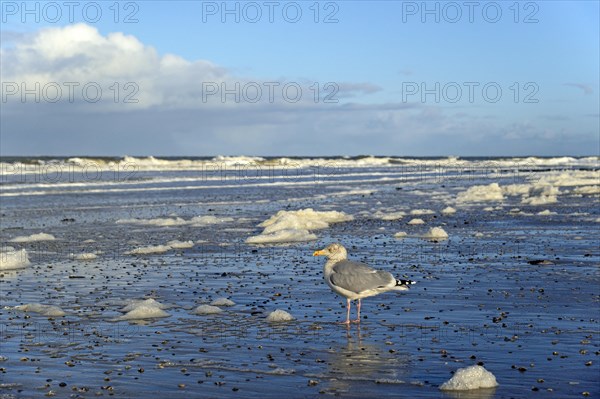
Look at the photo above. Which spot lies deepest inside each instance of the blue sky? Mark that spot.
(547, 52)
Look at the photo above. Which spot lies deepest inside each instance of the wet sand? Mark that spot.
(479, 299)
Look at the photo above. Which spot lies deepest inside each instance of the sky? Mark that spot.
(201, 78)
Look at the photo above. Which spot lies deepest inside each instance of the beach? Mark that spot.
(512, 285)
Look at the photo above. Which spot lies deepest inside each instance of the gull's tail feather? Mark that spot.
(402, 285)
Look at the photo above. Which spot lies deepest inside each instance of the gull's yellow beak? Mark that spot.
(318, 253)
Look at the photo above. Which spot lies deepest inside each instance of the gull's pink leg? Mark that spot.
(357, 312)
(347, 313)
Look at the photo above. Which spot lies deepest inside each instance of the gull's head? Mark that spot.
(334, 251)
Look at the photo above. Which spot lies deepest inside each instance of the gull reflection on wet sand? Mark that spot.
(361, 361)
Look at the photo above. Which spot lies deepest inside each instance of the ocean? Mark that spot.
(107, 263)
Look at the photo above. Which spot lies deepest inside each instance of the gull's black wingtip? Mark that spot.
(404, 283)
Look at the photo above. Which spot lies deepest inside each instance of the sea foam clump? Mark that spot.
(83, 256)
(44, 310)
(572, 178)
(491, 192)
(153, 249)
(161, 249)
(11, 259)
(158, 222)
(196, 221)
(208, 220)
(587, 190)
(279, 316)
(34, 238)
(295, 226)
(207, 309)
(388, 216)
(143, 309)
(436, 233)
(283, 236)
(473, 377)
(136, 303)
(416, 221)
(176, 244)
(222, 302)
(448, 210)
(541, 195)
(422, 212)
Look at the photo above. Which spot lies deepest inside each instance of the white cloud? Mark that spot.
(79, 53)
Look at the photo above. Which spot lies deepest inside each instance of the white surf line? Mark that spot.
(424, 173)
(174, 188)
(422, 176)
(11, 187)
(171, 165)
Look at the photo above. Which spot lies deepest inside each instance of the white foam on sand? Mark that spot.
(547, 212)
(222, 302)
(159, 222)
(416, 221)
(207, 309)
(516, 189)
(143, 309)
(541, 195)
(492, 208)
(161, 249)
(196, 221)
(491, 192)
(400, 234)
(448, 210)
(472, 377)
(136, 303)
(546, 189)
(152, 249)
(303, 219)
(295, 226)
(517, 211)
(143, 312)
(208, 220)
(44, 310)
(175, 244)
(11, 259)
(84, 256)
(34, 237)
(422, 212)
(571, 178)
(282, 236)
(436, 233)
(388, 215)
(587, 190)
(278, 316)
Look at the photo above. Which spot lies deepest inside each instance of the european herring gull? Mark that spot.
(355, 280)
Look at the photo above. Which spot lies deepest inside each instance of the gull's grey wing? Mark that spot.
(350, 267)
(358, 277)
